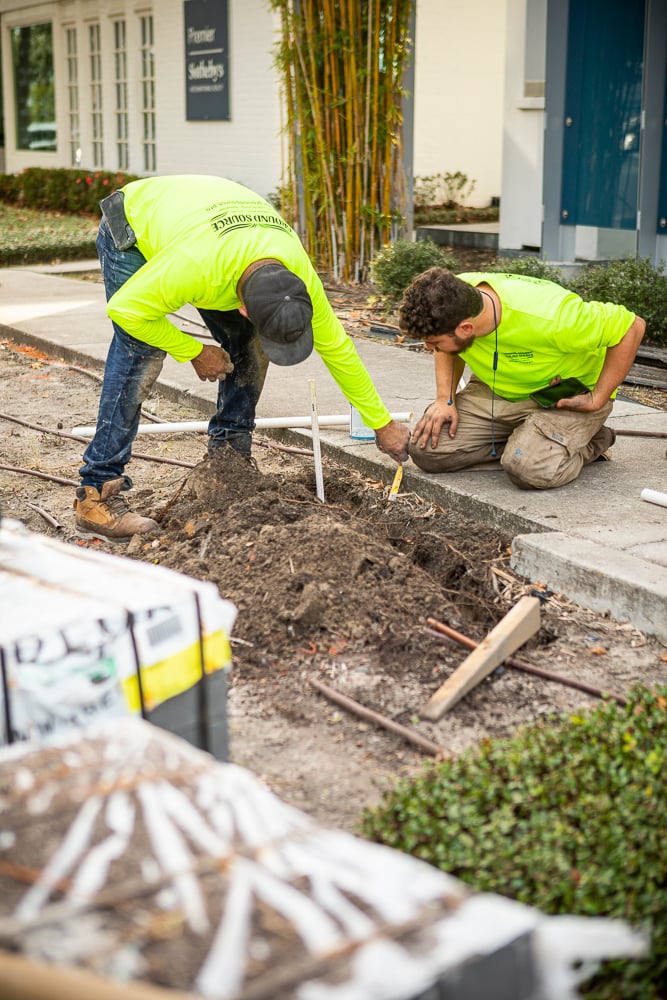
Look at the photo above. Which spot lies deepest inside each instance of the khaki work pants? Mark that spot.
(537, 448)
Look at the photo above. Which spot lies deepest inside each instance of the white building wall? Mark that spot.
(458, 103)
(247, 148)
(459, 70)
(523, 135)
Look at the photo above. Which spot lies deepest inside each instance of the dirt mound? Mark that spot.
(355, 570)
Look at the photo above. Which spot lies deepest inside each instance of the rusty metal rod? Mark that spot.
(83, 440)
(380, 720)
(45, 514)
(282, 447)
(39, 475)
(439, 629)
(642, 434)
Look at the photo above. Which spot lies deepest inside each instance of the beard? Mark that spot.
(461, 343)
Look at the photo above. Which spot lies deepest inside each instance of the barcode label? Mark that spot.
(164, 630)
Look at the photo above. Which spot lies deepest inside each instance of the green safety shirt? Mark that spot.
(544, 331)
(198, 235)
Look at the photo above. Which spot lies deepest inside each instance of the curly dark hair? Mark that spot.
(436, 302)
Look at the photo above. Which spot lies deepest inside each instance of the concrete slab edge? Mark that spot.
(47, 346)
(629, 589)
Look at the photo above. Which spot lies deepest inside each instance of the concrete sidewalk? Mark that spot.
(595, 541)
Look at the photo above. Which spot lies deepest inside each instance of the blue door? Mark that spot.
(662, 206)
(603, 105)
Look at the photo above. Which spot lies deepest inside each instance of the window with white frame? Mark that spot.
(34, 92)
(148, 93)
(121, 93)
(96, 118)
(73, 123)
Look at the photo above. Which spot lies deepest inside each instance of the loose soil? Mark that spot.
(337, 592)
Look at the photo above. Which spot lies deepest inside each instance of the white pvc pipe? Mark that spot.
(652, 496)
(331, 420)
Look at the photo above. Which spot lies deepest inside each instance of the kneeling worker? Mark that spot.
(518, 335)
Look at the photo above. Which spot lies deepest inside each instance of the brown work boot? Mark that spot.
(105, 513)
(597, 449)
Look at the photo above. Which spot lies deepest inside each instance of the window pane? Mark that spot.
(73, 97)
(32, 56)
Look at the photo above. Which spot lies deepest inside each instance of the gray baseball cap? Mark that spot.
(280, 309)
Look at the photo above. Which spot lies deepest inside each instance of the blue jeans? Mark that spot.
(132, 368)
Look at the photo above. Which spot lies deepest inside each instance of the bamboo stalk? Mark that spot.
(342, 64)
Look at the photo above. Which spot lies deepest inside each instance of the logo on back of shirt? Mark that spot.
(247, 216)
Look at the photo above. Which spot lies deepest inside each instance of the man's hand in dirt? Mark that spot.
(393, 439)
(431, 423)
(212, 364)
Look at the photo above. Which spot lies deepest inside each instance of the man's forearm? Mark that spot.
(448, 371)
(618, 361)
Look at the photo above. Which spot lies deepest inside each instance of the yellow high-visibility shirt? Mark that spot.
(198, 235)
(544, 331)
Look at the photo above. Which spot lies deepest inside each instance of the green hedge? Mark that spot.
(61, 190)
(569, 817)
(396, 264)
(633, 282)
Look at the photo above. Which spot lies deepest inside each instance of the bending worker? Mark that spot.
(518, 335)
(167, 241)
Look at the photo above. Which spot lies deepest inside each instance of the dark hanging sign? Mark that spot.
(206, 60)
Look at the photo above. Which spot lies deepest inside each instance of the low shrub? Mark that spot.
(397, 264)
(9, 187)
(438, 215)
(534, 267)
(633, 282)
(60, 189)
(569, 817)
(446, 189)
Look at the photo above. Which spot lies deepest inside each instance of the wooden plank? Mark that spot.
(651, 353)
(516, 627)
(22, 979)
(646, 375)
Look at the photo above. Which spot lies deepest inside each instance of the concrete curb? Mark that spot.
(629, 589)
